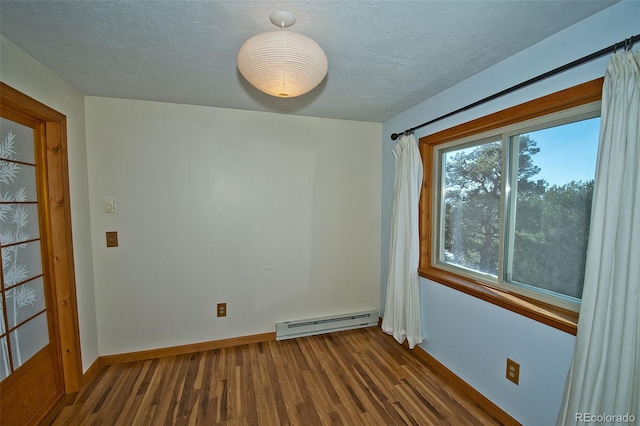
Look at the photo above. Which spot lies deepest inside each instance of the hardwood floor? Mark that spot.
(357, 377)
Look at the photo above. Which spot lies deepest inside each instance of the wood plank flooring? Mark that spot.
(357, 377)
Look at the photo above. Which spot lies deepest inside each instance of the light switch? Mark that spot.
(109, 205)
(112, 239)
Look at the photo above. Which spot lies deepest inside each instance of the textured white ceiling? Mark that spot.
(384, 56)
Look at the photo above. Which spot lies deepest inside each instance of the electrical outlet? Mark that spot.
(222, 309)
(112, 239)
(513, 371)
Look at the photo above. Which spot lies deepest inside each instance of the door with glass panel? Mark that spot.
(30, 365)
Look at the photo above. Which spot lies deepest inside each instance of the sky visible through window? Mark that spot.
(567, 153)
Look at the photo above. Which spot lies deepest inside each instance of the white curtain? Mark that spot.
(402, 308)
(604, 379)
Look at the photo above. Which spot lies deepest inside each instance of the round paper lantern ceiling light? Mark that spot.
(282, 63)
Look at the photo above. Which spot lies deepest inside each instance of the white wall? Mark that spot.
(469, 336)
(276, 215)
(23, 73)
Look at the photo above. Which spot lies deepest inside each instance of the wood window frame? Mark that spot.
(53, 127)
(559, 318)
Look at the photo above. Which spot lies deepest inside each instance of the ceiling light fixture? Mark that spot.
(282, 63)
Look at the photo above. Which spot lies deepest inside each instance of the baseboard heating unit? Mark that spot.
(310, 327)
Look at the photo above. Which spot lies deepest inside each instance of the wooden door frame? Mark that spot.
(61, 242)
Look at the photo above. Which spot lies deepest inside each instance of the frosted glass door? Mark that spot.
(23, 328)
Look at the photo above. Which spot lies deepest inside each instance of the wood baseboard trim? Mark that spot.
(466, 388)
(185, 349)
(93, 370)
(65, 400)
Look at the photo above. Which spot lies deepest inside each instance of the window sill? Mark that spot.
(552, 316)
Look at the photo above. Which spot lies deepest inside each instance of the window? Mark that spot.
(514, 209)
(507, 216)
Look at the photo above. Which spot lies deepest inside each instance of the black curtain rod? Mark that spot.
(624, 44)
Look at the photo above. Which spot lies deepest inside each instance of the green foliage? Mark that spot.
(551, 238)
(472, 220)
(551, 226)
